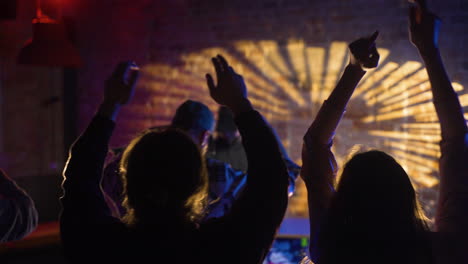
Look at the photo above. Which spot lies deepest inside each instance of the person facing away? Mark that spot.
(196, 120)
(165, 188)
(373, 215)
(18, 214)
(225, 182)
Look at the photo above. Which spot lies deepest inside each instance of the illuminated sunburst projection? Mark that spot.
(391, 109)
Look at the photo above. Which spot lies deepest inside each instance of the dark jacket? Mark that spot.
(90, 233)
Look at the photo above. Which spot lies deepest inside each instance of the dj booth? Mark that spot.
(292, 243)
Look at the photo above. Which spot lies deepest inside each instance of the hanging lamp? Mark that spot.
(50, 44)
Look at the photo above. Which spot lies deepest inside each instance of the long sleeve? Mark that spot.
(250, 227)
(319, 166)
(453, 190)
(445, 99)
(85, 215)
(18, 214)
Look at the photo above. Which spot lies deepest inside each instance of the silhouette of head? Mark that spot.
(164, 175)
(196, 119)
(375, 209)
(374, 190)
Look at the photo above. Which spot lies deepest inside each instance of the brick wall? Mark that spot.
(290, 51)
(162, 32)
(173, 41)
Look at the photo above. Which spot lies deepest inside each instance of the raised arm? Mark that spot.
(318, 162)
(453, 189)
(251, 226)
(85, 213)
(18, 214)
(424, 32)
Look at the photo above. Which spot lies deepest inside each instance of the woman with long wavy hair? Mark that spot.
(372, 215)
(165, 188)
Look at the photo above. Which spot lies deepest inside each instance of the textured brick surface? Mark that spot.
(182, 35)
(173, 40)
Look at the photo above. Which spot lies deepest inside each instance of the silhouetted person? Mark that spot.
(225, 182)
(165, 186)
(197, 120)
(18, 214)
(319, 165)
(373, 215)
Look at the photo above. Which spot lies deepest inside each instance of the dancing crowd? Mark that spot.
(176, 195)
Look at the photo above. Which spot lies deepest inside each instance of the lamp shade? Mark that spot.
(49, 46)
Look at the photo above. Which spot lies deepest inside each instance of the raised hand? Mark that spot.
(364, 52)
(119, 89)
(121, 84)
(423, 26)
(230, 90)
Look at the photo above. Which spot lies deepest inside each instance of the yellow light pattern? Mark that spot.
(391, 109)
(415, 148)
(336, 56)
(375, 78)
(404, 136)
(391, 79)
(316, 57)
